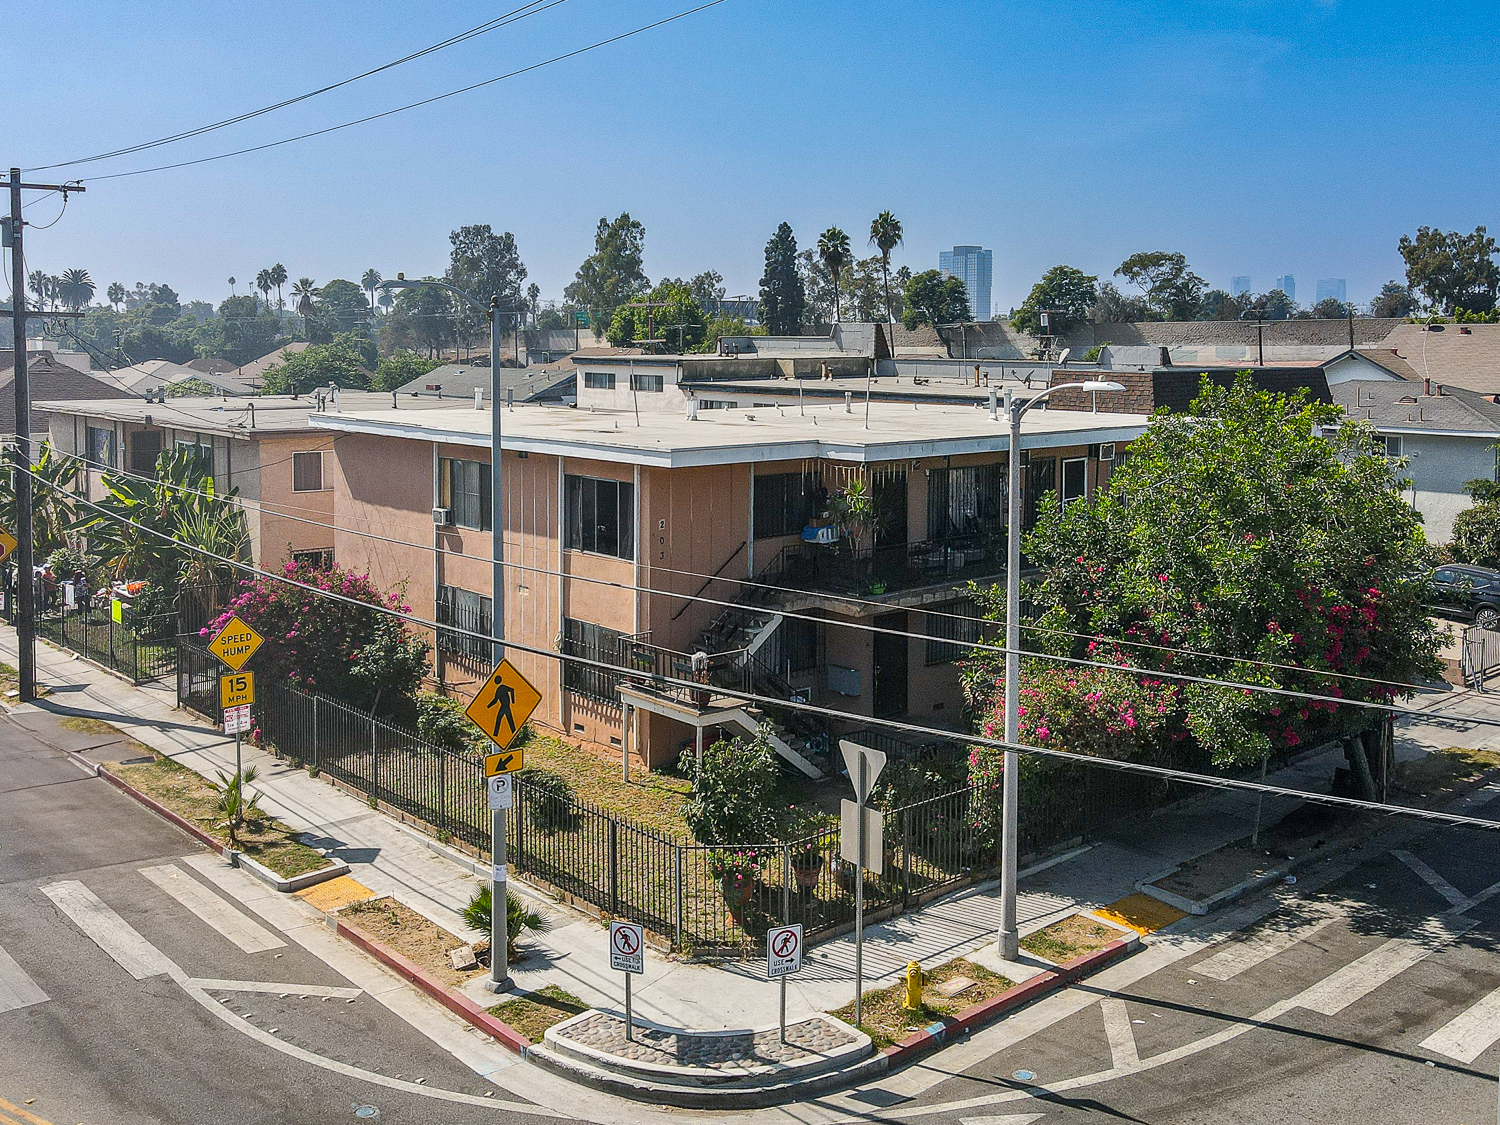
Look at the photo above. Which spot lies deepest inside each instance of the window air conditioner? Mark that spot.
(1107, 451)
(442, 517)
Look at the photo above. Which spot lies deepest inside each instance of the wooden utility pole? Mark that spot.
(21, 472)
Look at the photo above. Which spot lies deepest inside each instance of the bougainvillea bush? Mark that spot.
(370, 659)
(1260, 539)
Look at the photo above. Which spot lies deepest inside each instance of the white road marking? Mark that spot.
(1008, 1119)
(1483, 896)
(1122, 1049)
(1469, 1035)
(1235, 958)
(212, 984)
(17, 990)
(1456, 898)
(212, 910)
(1334, 993)
(109, 931)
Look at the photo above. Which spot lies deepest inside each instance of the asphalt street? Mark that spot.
(85, 1041)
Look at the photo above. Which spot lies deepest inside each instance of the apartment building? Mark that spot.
(686, 551)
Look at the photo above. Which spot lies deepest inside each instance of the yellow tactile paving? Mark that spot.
(1141, 913)
(336, 893)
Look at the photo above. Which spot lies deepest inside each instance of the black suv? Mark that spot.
(1469, 592)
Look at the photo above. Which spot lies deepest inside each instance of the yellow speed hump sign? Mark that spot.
(503, 704)
(8, 543)
(237, 690)
(236, 643)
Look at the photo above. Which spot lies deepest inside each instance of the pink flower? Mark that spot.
(1042, 732)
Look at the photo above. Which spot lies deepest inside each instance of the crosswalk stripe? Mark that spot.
(1359, 978)
(109, 931)
(1007, 1119)
(1235, 958)
(1456, 898)
(1122, 1049)
(214, 984)
(211, 909)
(17, 990)
(1470, 1034)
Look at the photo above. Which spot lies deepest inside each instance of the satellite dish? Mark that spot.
(1062, 357)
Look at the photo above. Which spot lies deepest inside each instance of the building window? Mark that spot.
(639, 382)
(592, 642)
(599, 380)
(321, 559)
(716, 404)
(600, 516)
(1393, 445)
(965, 502)
(307, 472)
(101, 447)
(145, 448)
(949, 637)
(1074, 480)
(784, 503)
(464, 489)
(466, 611)
(800, 643)
(1041, 478)
(201, 453)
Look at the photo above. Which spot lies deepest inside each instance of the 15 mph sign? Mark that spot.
(783, 951)
(627, 944)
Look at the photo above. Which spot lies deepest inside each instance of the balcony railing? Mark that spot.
(881, 570)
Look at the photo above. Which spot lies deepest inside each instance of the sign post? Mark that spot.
(500, 709)
(234, 644)
(864, 766)
(627, 954)
(783, 958)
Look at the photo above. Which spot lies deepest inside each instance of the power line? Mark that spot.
(413, 105)
(1164, 772)
(534, 8)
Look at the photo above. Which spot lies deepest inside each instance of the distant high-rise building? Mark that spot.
(974, 266)
(1239, 286)
(1287, 285)
(1331, 287)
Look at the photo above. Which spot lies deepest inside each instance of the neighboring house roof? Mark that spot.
(1389, 359)
(1405, 408)
(1459, 355)
(212, 365)
(49, 380)
(1368, 332)
(255, 370)
(149, 377)
(552, 382)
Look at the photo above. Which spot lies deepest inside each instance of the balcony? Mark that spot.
(874, 571)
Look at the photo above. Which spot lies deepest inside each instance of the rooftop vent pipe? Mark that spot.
(848, 402)
(994, 405)
(478, 398)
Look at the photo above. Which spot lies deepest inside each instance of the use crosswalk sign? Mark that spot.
(502, 705)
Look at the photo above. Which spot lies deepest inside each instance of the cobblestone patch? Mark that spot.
(735, 1051)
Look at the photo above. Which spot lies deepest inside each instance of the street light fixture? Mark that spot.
(500, 980)
(1009, 937)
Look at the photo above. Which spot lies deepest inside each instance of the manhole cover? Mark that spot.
(367, 1113)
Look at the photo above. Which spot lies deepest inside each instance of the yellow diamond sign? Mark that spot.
(502, 706)
(8, 543)
(236, 643)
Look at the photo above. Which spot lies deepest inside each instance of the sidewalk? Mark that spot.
(393, 860)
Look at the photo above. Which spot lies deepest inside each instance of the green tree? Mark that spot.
(369, 282)
(1172, 291)
(486, 265)
(885, 235)
(863, 289)
(734, 799)
(519, 918)
(1274, 305)
(1393, 300)
(339, 362)
(707, 289)
(1245, 535)
(278, 279)
(340, 308)
(1476, 529)
(1452, 270)
(244, 332)
(1220, 304)
(680, 320)
(52, 511)
(1330, 308)
(427, 312)
(400, 368)
(1068, 294)
(817, 288)
(116, 294)
(934, 299)
(834, 253)
(264, 284)
(612, 275)
(781, 294)
(76, 288)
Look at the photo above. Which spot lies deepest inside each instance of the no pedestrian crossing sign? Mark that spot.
(236, 643)
(627, 945)
(783, 951)
(502, 706)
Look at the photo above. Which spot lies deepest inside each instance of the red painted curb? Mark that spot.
(992, 1009)
(457, 1003)
(162, 811)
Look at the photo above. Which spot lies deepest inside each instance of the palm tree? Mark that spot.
(231, 287)
(36, 281)
(76, 288)
(833, 249)
(116, 294)
(278, 279)
(305, 288)
(370, 282)
(885, 236)
(386, 300)
(264, 283)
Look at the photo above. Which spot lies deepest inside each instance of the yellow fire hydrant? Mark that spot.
(914, 980)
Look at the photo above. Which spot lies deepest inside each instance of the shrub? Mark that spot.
(442, 722)
(549, 798)
(519, 918)
(734, 794)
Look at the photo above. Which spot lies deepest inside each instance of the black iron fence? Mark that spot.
(142, 648)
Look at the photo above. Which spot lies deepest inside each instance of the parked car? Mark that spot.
(1471, 593)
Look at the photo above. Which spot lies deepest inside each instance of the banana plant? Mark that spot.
(51, 499)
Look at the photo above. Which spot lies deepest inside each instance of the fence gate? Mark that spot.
(1481, 656)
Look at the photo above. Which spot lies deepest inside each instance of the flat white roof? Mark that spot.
(896, 432)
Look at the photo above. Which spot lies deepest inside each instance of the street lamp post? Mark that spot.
(1009, 937)
(500, 980)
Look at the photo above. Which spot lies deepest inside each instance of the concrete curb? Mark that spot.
(460, 1005)
(988, 1011)
(167, 814)
(307, 879)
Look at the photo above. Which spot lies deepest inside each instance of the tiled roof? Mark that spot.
(1404, 406)
(1465, 355)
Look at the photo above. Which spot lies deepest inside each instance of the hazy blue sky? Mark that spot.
(1256, 136)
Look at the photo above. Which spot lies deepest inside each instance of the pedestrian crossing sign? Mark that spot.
(501, 708)
(8, 543)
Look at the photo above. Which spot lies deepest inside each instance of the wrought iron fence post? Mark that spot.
(678, 888)
(614, 866)
(374, 764)
(905, 858)
(317, 758)
(786, 884)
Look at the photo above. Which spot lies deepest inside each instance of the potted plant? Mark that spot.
(805, 836)
(855, 510)
(738, 872)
